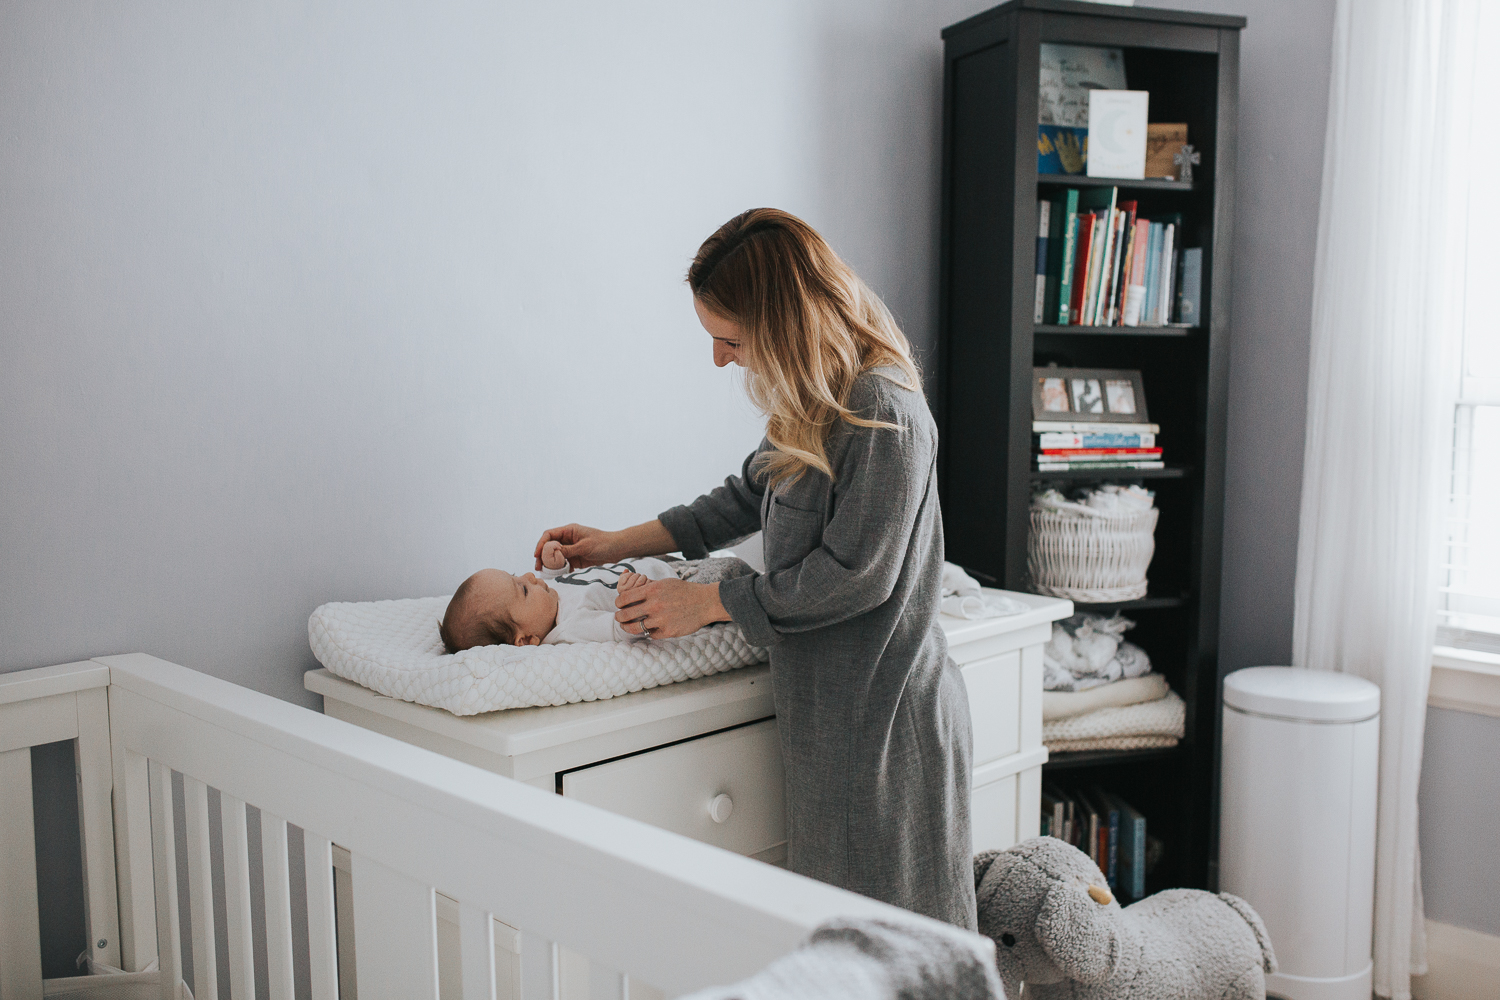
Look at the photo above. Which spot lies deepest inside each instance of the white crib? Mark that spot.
(452, 882)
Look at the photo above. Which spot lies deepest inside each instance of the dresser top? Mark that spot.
(524, 730)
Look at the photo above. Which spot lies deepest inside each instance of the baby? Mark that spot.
(495, 608)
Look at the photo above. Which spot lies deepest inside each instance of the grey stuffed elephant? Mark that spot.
(1057, 927)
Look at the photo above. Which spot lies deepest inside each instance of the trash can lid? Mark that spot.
(1302, 695)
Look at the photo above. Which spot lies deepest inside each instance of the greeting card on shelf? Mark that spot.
(1117, 133)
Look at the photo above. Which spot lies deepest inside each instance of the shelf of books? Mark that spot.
(1084, 359)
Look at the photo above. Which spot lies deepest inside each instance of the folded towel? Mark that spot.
(875, 960)
(1112, 743)
(1162, 717)
(1130, 691)
(964, 598)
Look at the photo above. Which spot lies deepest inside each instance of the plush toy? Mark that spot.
(1058, 928)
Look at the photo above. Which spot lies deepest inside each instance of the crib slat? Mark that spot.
(164, 867)
(507, 942)
(133, 855)
(395, 926)
(538, 968)
(237, 898)
(322, 934)
(476, 948)
(91, 755)
(280, 978)
(20, 932)
(200, 888)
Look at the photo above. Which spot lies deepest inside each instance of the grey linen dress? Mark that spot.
(872, 714)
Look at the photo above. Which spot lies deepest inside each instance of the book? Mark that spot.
(1084, 226)
(1096, 439)
(1101, 203)
(1190, 299)
(1164, 296)
(1081, 454)
(1132, 850)
(1072, 464)
(1109, 837)
(1080, 427)
(1043, 231)
(1117, 133)
(1135, 293)
(1063, 241)
(1061, 149)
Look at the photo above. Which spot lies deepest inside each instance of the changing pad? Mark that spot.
(393, 647)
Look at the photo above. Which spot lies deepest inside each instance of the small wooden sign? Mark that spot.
(1163, 141)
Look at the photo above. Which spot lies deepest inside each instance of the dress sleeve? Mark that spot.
(720, 517)
(880, 483)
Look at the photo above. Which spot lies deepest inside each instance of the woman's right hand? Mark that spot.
(582, 546)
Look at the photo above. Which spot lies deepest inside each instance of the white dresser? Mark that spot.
(701, 758)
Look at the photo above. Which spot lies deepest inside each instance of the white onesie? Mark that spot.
(586, 599)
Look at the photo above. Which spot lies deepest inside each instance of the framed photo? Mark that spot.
(1084, 395)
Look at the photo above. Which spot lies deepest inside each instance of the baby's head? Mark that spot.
(494, 608)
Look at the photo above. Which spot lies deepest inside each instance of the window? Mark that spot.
(1469, 596)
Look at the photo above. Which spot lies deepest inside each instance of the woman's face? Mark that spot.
(728, 337)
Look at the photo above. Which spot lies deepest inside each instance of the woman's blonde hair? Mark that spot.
(811, 328)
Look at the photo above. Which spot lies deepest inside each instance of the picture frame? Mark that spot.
(1089, 395)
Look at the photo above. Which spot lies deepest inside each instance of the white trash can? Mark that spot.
(1297, 821)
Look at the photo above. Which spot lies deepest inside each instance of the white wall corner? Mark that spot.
(1462, 964)
(1465, 681)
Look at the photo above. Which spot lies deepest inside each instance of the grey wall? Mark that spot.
(342, 301)
(1456, 811)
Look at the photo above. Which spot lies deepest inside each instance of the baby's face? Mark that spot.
(528, 603)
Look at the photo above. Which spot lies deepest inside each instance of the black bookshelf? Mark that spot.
(1189, 62)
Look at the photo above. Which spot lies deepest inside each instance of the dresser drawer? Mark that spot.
(994, 685)
(676, 786)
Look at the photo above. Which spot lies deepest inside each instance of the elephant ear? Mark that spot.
(982, 862)
(1080, 934)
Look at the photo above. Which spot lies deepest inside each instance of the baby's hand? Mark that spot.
(552, 556)
(630, 580)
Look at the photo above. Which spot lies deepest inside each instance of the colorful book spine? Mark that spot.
(1064, 252)
(1075, 454)
(1043, 231)
(1135, 293)
(1096, 266)
(1164, 295)
(1153, 259)
(1087, 439)
(1071, 464)
(1081, 268)
(1079, 427)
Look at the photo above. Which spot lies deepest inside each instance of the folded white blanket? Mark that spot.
(1131, 691)
(964, 598)
(1162, 717)
(1113, 743)
(393, 647)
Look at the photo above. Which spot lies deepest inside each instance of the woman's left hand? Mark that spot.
(670, 608)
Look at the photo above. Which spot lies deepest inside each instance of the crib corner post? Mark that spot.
(132, 816)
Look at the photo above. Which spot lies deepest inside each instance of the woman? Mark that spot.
(872, 715)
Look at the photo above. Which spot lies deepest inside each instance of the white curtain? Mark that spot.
(1380, 400)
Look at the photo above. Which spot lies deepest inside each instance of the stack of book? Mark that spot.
(1100, 264)
(1061, 446)
(1106, 828)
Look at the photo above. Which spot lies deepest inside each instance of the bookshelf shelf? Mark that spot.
(1151, 602)
(1099, 475)
(1134, 184)
(1105, 758)
(989, 344)
(1116, 331)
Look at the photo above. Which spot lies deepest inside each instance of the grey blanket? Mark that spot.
(875, 960)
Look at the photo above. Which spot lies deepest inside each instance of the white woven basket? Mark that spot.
(1092, 558)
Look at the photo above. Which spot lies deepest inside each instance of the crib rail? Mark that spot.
(422, 876)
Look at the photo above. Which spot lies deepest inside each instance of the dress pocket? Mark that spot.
(791, 534)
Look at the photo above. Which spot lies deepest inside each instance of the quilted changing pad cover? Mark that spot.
(393, 647)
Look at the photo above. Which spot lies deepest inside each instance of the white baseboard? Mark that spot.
(1461, 965)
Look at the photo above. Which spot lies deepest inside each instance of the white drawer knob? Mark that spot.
(720, 808)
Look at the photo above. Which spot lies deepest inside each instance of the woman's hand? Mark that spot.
(581, 546)
(584, 547)
(669, 608)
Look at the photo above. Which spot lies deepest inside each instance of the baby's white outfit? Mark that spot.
(586, 599)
